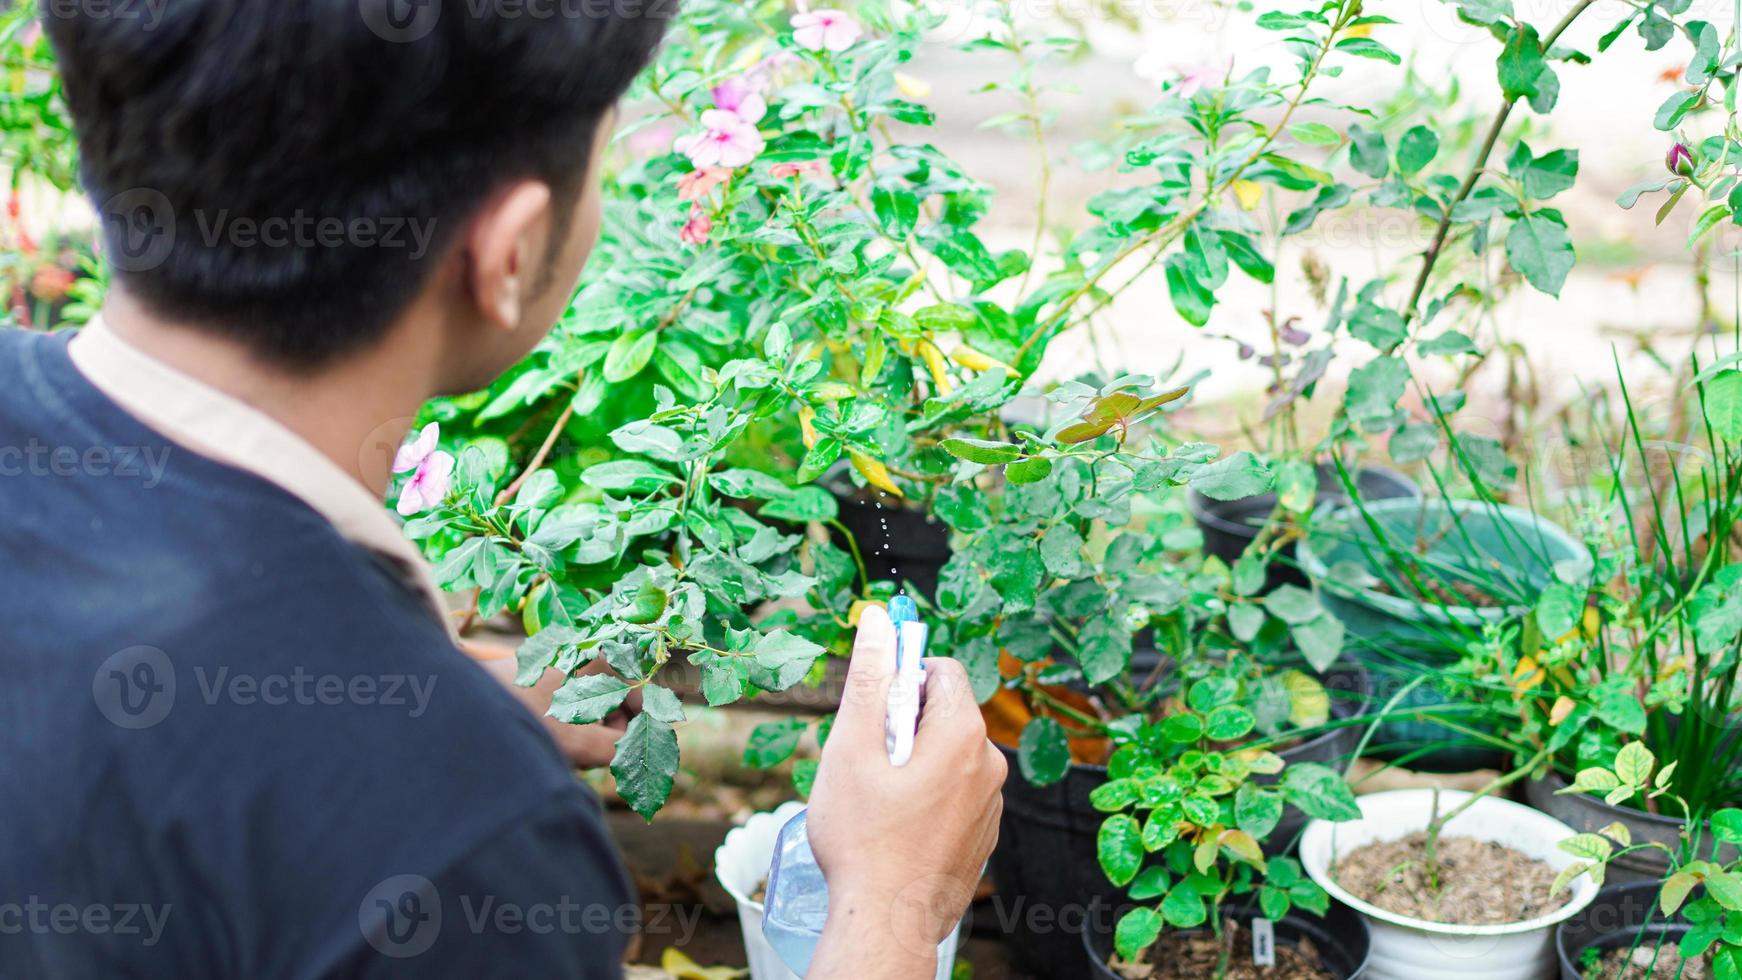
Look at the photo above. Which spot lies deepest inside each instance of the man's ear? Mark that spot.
(506, 248)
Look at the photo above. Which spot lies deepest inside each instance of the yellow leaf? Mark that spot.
(1563, 706)
(1527, 675)
(1308, 704)
(875, 473)
(806, 417)
(1248, 193)
(1593, 620)
(684, 968)
(1359, 30)
(973, 360)
(1244, 846)
(937, 366)
(911, 87)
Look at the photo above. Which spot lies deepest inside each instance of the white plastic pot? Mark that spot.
(1411, 949)
(741, 865)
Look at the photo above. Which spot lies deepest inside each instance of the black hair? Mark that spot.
(287, 172)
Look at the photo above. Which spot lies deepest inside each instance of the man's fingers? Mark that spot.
(864, 702)
(951, 718)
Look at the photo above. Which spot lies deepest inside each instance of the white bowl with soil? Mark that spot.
(1492, 916)
(741, 865)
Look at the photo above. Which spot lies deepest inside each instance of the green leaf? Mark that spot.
(588, 698)
(1374, 389)
(1256, 810)
(1416, 148)
(1541, 251)
(1593, 779)
(539, 651)
(1592, 847)
(1138, 929)
(1043, 753)
(1722, 399)
(628, 476)
(1633, 764)
(1184, 906)
(818, 459)
(1520, 63)
(1233, 478)
(1228, 722)
(1727, 825)
(1366, 47)
(1183, 728)
(1150, 883)
(1061, 548)
(982, 451)
(1414, 441)
(1028, 470)
(789, 657)
(1320, 640)
(1191, 298)
(1726, 888)
(1293, 604)
(1367, 152)
(1113, 795)
(661, 703)
(897, 210)
(1669, 114)
(1558, 609)
(1544, 176)
(773, 742)
(1119, 848)
(1450, 342)
(1319, 791)
(645, 763)
(629, 354)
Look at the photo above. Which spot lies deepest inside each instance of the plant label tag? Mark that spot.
(1263, 943)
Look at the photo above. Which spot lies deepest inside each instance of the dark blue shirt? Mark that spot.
(232, 744)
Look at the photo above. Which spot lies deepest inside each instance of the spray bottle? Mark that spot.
(798, 898)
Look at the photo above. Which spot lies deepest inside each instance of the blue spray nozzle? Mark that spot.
(903, 610)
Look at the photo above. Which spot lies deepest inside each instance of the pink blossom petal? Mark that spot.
(429, 486)
(830, 30)
(412, 453)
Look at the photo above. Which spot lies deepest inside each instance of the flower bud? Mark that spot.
(1679, 160)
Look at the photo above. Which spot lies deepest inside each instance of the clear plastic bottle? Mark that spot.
(798, 898)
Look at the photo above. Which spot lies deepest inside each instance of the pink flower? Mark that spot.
(1157, 70)
(741, 96)
(697, 229)
(727, 141)
(697, 184)
(433, 476)
(783, 170)
(830, 30)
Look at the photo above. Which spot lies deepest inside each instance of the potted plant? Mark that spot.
(1626, 933)
(1415, 582)
(1300, 944)
(1694, 900)
(1451, 884)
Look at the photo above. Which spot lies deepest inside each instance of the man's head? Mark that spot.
(297, 174)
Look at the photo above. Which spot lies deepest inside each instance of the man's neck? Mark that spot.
(356, 412)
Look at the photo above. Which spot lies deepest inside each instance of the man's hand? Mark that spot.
(902, 849)
(586, 746)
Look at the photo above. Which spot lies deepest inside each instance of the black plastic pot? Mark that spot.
(1340, 936)
(1618, 917)
(1588, 814)
(918, 543)
(1230, 525)
(1050, 885)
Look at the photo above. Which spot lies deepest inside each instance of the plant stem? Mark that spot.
(1433, 250)
(1430, 852)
